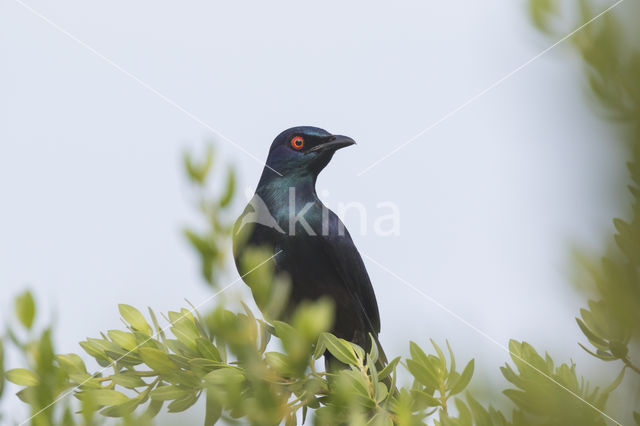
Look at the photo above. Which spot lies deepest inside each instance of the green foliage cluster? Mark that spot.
(44, 378)
(211, 242)
(223, 358)
(226, 358)
(611, 58)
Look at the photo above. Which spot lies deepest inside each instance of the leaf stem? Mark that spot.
(628, 363)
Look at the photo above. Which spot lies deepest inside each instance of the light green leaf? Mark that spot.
(229, 190)
(464, 379)
(381, 392)
(320, 348)
(207, 349)
(123, 339)
(373, 353)
(134, 318)
(25, 309)
(340, 349)
(183, 403)
(157, 360)
(224, 377)
(102, 396)
(452, 367)
(441, 357)
(425, 398)
(616, 382)
(279, 362)
(154, 408)
(593, 337)
(96, 351)
(213, 410)
(121, 410)
(422, 374)
(126, 380)
(389, 368)
(71, 363)
(167, 393)
(313, 318)
(202, 366)
(22, 377)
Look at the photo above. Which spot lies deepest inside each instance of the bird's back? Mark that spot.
(320, 263)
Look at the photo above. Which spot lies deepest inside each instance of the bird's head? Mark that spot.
(304, 151)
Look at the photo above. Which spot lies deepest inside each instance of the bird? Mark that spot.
(307, 241)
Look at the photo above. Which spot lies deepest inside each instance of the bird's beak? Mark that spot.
(334, 143)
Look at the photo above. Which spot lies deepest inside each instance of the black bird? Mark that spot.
(312, 244)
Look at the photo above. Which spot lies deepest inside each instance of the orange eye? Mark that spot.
(297, 142)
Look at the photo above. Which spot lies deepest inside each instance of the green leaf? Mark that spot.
(154, 408)
(381, 392)
(422, 374)
(135, 319)
(280, 363)
(71, 363)
(96, 351)
(22, 377)
(389, 368)
(28, 395)
(373, 353)
(418, 354)
(213, 410)
(464, 379)
(636, 417)
(123, 339)
(425, 398)
(605, 356)
(168, 393)
(202, 366)
(381, 419)
(320, 348)
(157, 360)
(207, 349)
(183, 403)
(229, 190)
(127, 380)
(441, 357)
(340, 349)
(103, 396)
(464, 414)
(156, 325)
(593, 338)
(198, 172)
(224, 377)
(184, 328)
(121, 410)
(452, 368)
(615, 383)
(480, 415)
(313, 318)
(25, 309)
(373, 371)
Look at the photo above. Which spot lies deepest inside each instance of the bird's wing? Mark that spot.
(344, 256)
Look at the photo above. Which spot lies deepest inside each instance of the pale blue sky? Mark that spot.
(93, 195)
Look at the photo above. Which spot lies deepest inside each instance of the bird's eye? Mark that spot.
(297, 142)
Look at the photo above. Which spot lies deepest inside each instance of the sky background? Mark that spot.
(93, 196)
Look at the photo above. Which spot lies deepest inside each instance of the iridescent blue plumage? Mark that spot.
(314, 248)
